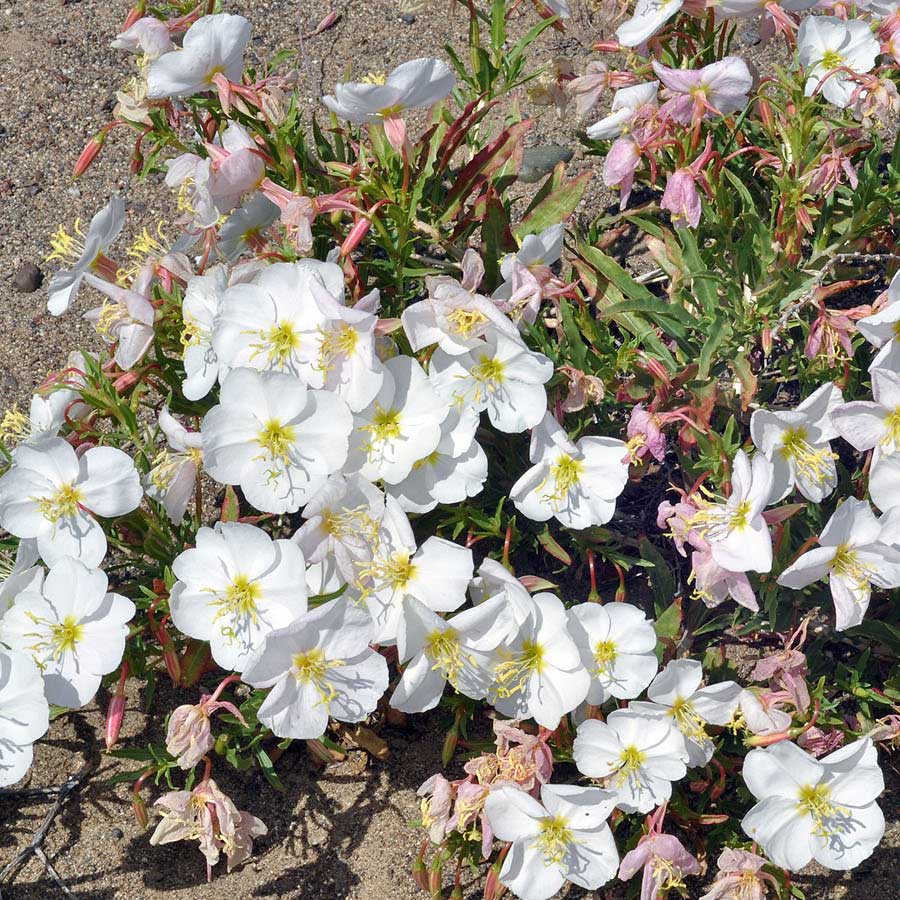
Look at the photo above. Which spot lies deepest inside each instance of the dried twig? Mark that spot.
(62, 793)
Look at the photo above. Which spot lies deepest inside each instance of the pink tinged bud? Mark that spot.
(607, 46)
(139, 808)
(682, 199)
(331, 19)
(136, 12)
(90, 152)
(355, 237)
(116, 711)
(419, 872)
(395, 130)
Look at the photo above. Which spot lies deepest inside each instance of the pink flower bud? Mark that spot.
(189, 736)
(359, 230)
(116, 711)
(395, 131)
(90, 152)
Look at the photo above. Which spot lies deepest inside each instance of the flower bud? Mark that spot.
(449, 748)
(90, 152)
(116, 711)
(139, 808)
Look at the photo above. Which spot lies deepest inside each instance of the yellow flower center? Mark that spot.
(279, 343)
(630, 761)
(14, 426)
(276, 440)
(488, 373)
(63, 504)
(394, 571)
(687, 720)
(554, 839)
(890, 441)
(385, 425)
(831, 59)
(445, 654)
(192, 333)
(811, 462)
(513, 673)
(311, 667)
(605, 653)
(815, 802)
(465, 321)
(339, 342)
(65, 636)
(67, 248)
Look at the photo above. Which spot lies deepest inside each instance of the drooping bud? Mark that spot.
(116, 711)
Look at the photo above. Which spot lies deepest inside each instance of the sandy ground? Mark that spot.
(341, 833)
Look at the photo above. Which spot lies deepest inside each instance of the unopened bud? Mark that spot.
(609, 46)
(139, 808)
(90, 152)
(116, 711)
(170, 656)
(449, 748)
(419, 872)
(766, 341)
(359, 230)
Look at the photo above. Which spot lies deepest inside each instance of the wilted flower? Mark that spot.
(664, 861)
(628, 103)
(149, 37)
(740, 877)
(718, 89)
(189, 735)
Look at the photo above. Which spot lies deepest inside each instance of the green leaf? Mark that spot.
(553, 547)
(555, 208)
(268, 769)
(230, 506)
(661, 580)
(702, 285)
(716, 335)
(668, 624)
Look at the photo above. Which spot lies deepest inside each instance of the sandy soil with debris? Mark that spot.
(340, 833)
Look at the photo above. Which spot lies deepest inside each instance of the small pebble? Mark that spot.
(33, 189)
(117, 834)
(408, 19)
(28, 278)
(73, 191)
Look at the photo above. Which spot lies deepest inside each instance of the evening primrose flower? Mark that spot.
(234, 587)
(738, 536)
(342, 523)
(437, 651)
(400, 426)
(808, 809)
(24, 714)
(564, 837)
(676, 694)
(199, 308)
(527, 273)
(852, 555)
(84, 252)
(317, 667)
(637, 755)
(576, 483)
(873, 424)
(457, 468)
(882, 328)
(273, 322)
(741, 877)
(540, 674)
(626, 105)
(245, 227)
(127, 322)
(501, 375)
(22, 575)
(275, 438)
(617, 645)
(73, 629)
(51, 494)
(829, 46)
(719, 89)
(437, 573)
(212, 45)
(664, 861)
(417, 83)
(172, 478)
(797, 443)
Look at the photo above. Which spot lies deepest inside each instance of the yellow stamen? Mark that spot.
(276, 440)
(311, 667)
(14, 426)
(815, 802)
(554, 840)
(65, 636)
(63, 504)
(512, 674)
(811, 462)
(465, 321)
(605, 653)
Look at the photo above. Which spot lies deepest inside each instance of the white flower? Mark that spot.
(84, 252)
(199, 309)
(457, 468)
(342, 522)
(736, 531)
(273, 323)
(436, 650)
(852, 555)
(809, 809)
(72, 628)
(148, 37)
(173, 477)
(868, 424)
(46, 415)
(273, 437)
(213, 44)
(575, 483)
(617, 646)
(625, 106)
(437, 573)
(346, 357)
(128, 321)
(527, 272)
(419, 82)
(234, 587)
(493, 579)
(52, 495)
(320, 665)
(676, 694)
(501, 375)
(400, 426)
(244, 227)
(539, 674)
(563, 838)
(881, 329)
(453, 318)
(639, 756)
(762, 717)
(796, 442)
(648, 17)
(24, 714)
(828, 44)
